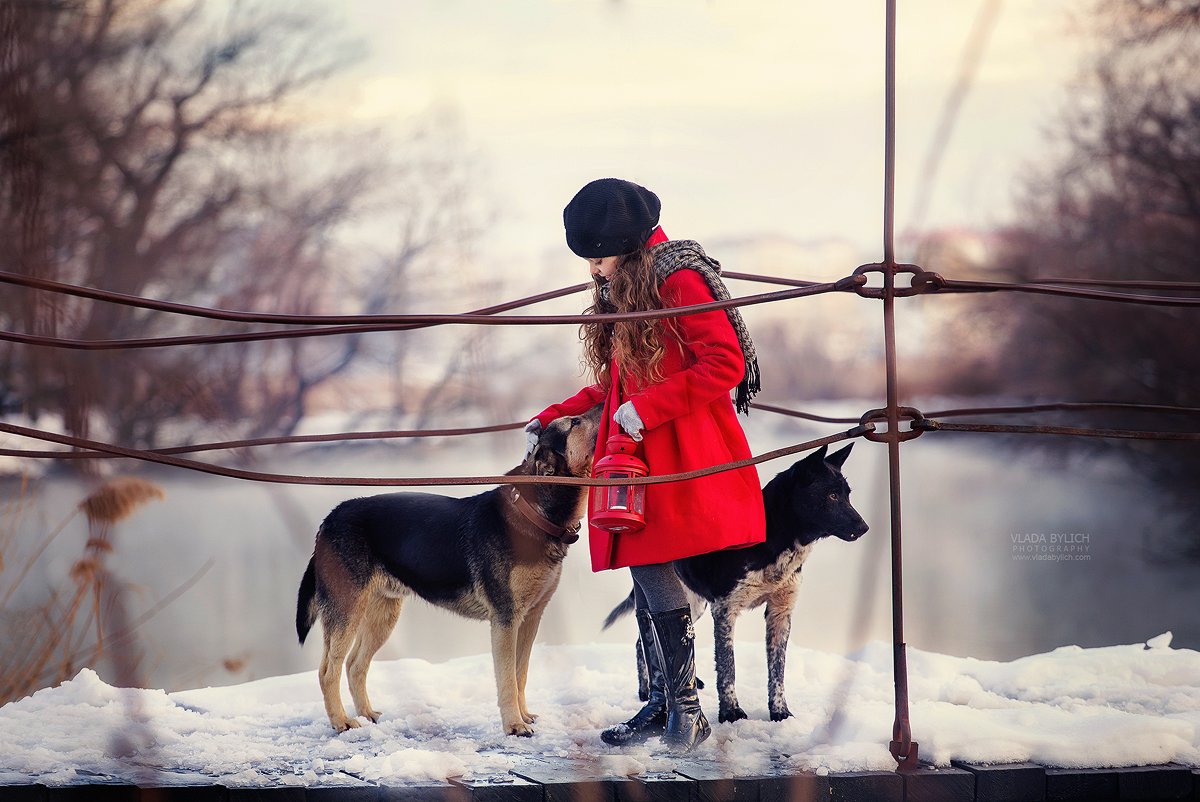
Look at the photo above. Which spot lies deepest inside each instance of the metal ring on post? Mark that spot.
(919, 283)
(910, 413)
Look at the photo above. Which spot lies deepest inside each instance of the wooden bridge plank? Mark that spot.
(423, 792)
(92, 793)
(933, 784)
(23, 793)
(570, 781)
(866, 786)
(1006, 782)
(1155, 782)
(501, 788)
(665, 786)
(183, 793)
(344, 793)
(1082, 785)
(288, 794)
(798, 787)
(714, 782)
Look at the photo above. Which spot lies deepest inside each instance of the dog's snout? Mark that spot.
(575, 421)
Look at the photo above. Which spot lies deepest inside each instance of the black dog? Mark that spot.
(805, 503)
(495, 556)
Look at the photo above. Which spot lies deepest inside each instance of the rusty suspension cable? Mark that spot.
(935, 284)
(281, 440)
(358, 481)
(1073, 406)
(238, 316)
(930, 425)
(406, 322)
(235, 316)
(1066, 406)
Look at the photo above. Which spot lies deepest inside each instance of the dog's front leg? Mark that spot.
(504, 661)
(779, 629)
(723, 619)
(525, 637)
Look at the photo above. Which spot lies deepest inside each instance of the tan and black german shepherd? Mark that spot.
(496, 556)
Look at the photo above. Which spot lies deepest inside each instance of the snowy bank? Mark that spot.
(1072, 707)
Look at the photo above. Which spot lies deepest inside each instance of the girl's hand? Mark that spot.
(627, 418)
(533, 430)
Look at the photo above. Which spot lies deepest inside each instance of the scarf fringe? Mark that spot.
(749, 387)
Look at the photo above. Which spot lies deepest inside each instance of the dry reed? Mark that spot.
(47, 642)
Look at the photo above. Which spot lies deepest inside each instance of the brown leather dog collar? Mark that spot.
(567, 534)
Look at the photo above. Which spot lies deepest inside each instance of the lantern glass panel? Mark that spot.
(618, 495)
(637, 499)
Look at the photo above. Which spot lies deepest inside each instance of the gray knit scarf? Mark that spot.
(687, 254)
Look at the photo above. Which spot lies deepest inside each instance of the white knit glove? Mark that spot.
(533, 431)
(627, 418)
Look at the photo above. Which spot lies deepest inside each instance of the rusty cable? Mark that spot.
(1170, 286)
(939, 285)
(1063, 406)
(929, 425)
(236, 316)
(258, 476)
(281, 440)
(1066, 406)
(1056, 406)
(405, 322)
(795, 413)
(791, 282)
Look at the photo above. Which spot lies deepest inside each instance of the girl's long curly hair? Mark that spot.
(637, 345)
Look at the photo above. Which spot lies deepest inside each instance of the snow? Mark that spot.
(1072, 707)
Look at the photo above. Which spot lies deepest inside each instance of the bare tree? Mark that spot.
(1123, 203)
(149, 147)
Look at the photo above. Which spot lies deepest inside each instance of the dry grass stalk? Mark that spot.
(47, 644)
(117, 499)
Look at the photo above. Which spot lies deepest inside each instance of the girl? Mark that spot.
(666, 383)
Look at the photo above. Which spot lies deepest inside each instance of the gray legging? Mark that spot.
(657, 588)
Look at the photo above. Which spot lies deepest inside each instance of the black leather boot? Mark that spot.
(651, 720)
(676, 640)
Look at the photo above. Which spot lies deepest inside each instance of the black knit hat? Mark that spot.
(609, 217)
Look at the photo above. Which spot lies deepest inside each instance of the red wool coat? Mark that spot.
(690, 423)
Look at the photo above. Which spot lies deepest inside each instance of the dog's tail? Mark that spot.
(620, 611)
(306, 607)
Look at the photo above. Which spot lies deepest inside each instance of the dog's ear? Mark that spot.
(838, 458)
(806, 470)
(812, 460)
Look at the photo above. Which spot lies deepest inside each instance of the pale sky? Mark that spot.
(751, 117)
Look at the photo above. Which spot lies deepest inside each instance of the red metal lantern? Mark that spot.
(619, 508)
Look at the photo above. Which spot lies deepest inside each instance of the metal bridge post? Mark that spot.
(902, 746)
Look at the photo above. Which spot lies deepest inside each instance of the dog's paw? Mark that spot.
(521, 728)
(346, 724)
(373, 715)
(530, 718)
(780, 715)
(729, 714)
